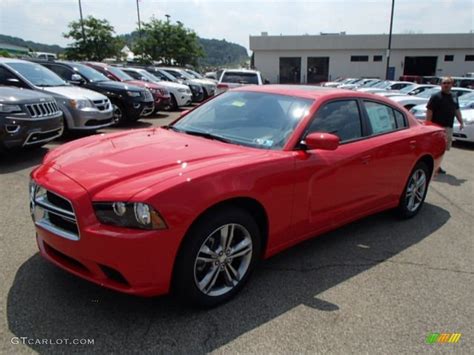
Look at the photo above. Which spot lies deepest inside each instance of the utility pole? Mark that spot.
(82, 23)
(139, 22)
(389, 41)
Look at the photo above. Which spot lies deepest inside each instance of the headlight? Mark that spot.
(133, 93)
(130, 215)
(9, 108)
(182, 90)
(80, 104)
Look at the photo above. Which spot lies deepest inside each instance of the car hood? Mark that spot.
(171, 85)
(110, 84)
(74, 92)
(205, 82)
(9, 95)
(118, 166)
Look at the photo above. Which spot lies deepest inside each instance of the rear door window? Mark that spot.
(383, 118)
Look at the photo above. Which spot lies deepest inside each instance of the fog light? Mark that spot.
(12, 129)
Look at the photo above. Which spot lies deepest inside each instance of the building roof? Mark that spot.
(376, 41)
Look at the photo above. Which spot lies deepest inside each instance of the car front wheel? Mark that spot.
(217, 258)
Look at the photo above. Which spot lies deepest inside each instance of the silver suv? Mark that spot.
(83, 109)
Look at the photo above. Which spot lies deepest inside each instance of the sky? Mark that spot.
(44, 21)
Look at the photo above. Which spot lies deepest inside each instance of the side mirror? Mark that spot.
(143, 78)
(321, 140)
(76, 79)
(14, 82)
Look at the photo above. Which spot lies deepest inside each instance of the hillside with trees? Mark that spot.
(34, 46)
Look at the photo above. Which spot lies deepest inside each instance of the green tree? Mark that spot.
(168, 43)
(99, 41)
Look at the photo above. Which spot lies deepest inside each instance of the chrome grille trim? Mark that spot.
(43, 206)
(102, 105)
(42, 109)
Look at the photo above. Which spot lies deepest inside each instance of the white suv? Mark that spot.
(231, 78)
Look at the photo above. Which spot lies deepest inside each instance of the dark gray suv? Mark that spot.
(28, 118)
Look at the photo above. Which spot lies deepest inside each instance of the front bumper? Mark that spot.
(92, 119)
(162, 102)
(132, 261)
(464, 135)
(183, 98)
(24, 132)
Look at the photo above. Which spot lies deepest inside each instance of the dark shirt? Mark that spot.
(444, 108)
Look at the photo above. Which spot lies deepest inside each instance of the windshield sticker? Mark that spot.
(238, 103)
(264, 142)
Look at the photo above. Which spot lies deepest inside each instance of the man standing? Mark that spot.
(442, 108)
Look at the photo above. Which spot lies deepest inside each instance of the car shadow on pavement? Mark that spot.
(45, 302)
(463, 145)
(14, 161)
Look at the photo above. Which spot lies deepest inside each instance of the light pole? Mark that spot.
(82, 22)
(139, 24)
(389, 41)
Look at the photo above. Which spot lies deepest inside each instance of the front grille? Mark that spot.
(147, 96)
(55, 214)
(43, 109)
(102, 105)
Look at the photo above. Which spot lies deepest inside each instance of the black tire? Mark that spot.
(119, 113)
(173, 104)
(188, 268)
(405, 209)
(205, 95)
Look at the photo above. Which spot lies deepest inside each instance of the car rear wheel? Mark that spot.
(415, 191)
(217, 258)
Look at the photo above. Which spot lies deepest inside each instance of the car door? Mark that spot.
(334, 187)
(393, 149)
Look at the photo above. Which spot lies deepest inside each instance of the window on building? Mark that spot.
(448, 58)
(377, 58)
(359, 58)
(469, 58)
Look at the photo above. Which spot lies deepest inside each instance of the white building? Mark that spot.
(315, 58)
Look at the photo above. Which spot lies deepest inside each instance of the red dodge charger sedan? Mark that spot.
(191, 207)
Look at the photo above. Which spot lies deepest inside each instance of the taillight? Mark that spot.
(222, 86)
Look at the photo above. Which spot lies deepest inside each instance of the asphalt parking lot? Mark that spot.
(379, 285)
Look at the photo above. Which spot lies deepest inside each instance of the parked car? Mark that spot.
(160, 94)
(78, 105)
(208, 86)
(414, 89)
(232, 78)
(463, 82)
(28, 118)
(191, 207)
(409, 101)
(336, 82)
(386, 85)
(211, 75)
(466, 102)
(125, 101)
(197, 89)
(366, 82)
(467, 133)
(180, 94)
(196, 75)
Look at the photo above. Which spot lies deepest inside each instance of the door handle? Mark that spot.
(412, 144)
(366, 159)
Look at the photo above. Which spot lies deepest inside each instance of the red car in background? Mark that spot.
(160, 93)
(191, 207)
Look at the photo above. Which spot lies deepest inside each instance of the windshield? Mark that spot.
(427, 93)
(89, 73)
(179, 74)
(259, 120)
(382, 84)
(37, 74)
(408, 88)
(148, 75)
(239, 77)
(167, 75)
(119, 74)
(370, 84)
(194, 74)
(466, 100)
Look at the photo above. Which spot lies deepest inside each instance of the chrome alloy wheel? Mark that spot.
(416, 190)
(223, 259)
(117, 113)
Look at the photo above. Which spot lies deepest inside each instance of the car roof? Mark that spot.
(13, 60)
(308, 91)
(241, 71)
